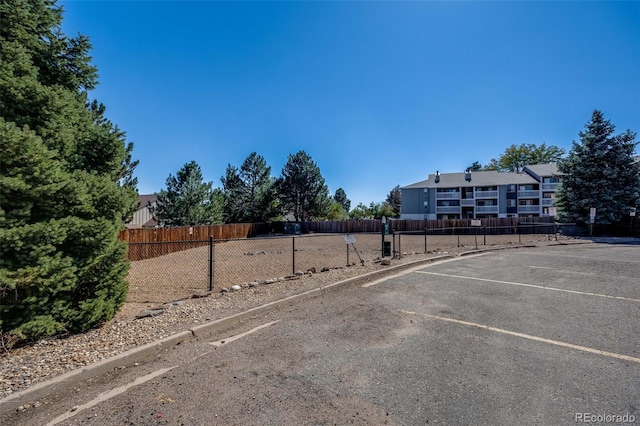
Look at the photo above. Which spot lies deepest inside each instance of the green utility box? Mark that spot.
(292, 228)
(386, 249)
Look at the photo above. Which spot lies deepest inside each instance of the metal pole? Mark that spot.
(393, 247)
(293, 255)
(519, 232)
(348, 264)
(484, 232)
(211, 263)
(458, 236)
(425, 240)
(475, 236)
(399, 246)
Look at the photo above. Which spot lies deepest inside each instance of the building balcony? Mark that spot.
(448, 209)
(547, 201)
(486, 194)
(467, 202)
(528, 194)
(486, 209)
(447, 195)
(549, 186)
(529, 209)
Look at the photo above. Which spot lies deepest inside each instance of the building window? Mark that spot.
(511, 202)
(511, 188)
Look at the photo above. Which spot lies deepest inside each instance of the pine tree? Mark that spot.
(340, 197)
(599, 172)
(66, 181)
(302, 190)
(188, 200)
(249, 191)
(394, 200)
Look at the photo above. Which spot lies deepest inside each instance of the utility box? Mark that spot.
(292, 228)
(386, 249)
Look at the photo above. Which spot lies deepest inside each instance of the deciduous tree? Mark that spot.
(516, 157)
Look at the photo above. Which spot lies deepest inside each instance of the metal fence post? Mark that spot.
(393, 255)
(293, 255)
(348, 264)
(484, 232)
(211, 263)
(425, 240)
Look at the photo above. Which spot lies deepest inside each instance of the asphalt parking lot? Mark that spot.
(528, 336)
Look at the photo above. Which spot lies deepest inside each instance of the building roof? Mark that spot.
(145, 199)
(542, 170)
(487, 178)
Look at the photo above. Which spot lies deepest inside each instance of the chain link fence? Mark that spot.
(178, 270)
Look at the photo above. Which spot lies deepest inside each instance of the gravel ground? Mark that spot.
(26, 366)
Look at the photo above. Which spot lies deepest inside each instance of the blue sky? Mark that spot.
(379, 94)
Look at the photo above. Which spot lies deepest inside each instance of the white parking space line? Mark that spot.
(612, 259)
(564, 271)
(219, 343)
(584, 293)
(408, 271)
(108, 395)
(529, 336)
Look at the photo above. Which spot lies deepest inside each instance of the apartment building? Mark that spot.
(476, 195)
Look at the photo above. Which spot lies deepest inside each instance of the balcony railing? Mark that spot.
(486, 194)
(528, 194)
(549, 186)
(528, 209)
(486, 209)
(467, 202)
(547, 201)
(448, 209)
(447, 195)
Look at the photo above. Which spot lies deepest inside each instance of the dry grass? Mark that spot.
(178, 275)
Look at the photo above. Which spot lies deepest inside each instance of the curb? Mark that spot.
(42, 389)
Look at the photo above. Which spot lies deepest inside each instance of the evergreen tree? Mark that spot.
(66, 181)
(599, 172)
(301, 189)
(188, 200)
(249, 192)
(516, 157)
(475, 167)
(394, 200)
(340, 197)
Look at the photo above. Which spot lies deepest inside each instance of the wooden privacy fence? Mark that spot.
(146, 243)
(356, 226)
(190, 233)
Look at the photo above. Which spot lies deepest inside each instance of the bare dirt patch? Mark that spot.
(179, 275)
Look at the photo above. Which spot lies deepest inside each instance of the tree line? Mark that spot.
(250, 193)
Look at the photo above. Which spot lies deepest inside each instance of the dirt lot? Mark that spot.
(179, 275)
